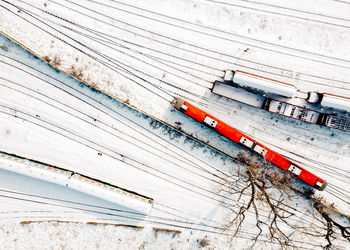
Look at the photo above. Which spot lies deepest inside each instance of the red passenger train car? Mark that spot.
(242, 139)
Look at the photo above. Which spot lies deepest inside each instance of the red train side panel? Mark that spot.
(240, 138)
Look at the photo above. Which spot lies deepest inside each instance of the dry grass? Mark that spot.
(76, 72)
(47, 59)
(56, 61)
(204, 242)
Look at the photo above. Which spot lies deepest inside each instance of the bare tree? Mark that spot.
(258, 178)
(265, 191)
(332, 225)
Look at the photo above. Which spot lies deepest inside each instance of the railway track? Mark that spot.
(138, 52)
(225, 35)
(192, 99)
(289, 12)
(185, 155)
(109, 215)
(132, 56)
(105, 153)
(112, 134)
(181, 95)
(18, 114)
(229, 61)
(170, 95)
(208, 53)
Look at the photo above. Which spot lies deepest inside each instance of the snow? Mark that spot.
(336, 102)
(238, 94)
(266, 85)
(143, 62)
(80, 236)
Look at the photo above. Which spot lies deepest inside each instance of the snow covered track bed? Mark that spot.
(143, 55)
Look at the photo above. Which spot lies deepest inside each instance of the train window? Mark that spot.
(210, 122)
(294, 169)
(260, 150)
(279, 107)
(319, 184)
(246, 142)
(184, 107)
(293, 110)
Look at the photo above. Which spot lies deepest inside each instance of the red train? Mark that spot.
(242, 139)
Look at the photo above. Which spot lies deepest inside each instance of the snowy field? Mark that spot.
(105, 113)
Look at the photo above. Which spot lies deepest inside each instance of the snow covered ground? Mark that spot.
(143, 53)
